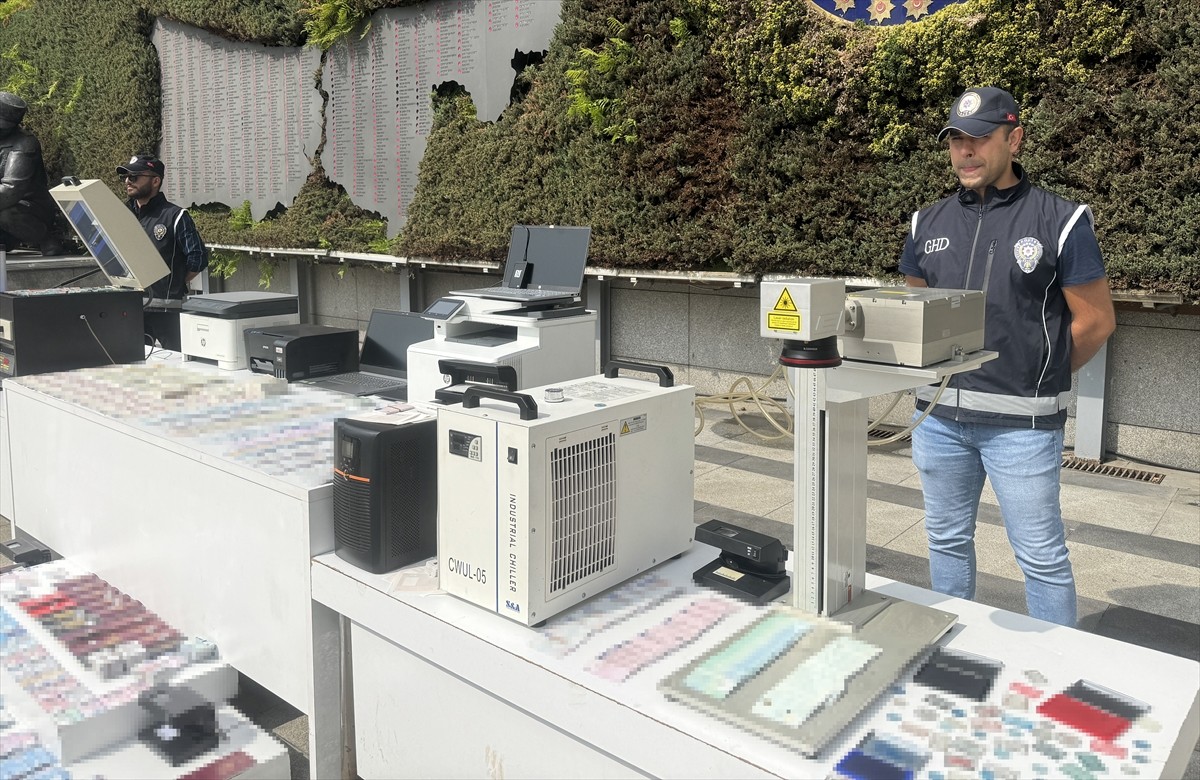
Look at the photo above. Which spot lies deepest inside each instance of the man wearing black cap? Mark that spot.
(1048, 311)
(174, 234)
(28, 215)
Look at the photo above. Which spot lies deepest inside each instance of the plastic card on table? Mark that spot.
(1093, 709)
(1020, 729)
(960, 673)
(580, 624)
(883, 757)
(419, 577)
(676, 631)
(284, 433)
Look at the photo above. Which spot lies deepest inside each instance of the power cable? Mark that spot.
(97, 338)
(753, 395)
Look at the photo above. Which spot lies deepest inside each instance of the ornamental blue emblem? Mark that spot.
(1028, 251)
(882, 12)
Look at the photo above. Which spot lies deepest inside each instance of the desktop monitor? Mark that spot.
(111, 233)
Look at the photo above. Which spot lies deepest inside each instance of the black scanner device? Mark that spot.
(751, 567)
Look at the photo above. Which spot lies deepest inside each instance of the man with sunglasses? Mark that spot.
(174, 234)
(1048, 311)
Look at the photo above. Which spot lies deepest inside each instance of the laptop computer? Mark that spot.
(545, 265)
(383, 363)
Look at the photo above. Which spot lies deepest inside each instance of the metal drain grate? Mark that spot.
(886, 433)
(1096, 467)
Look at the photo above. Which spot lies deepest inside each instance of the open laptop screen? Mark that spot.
(389, 335)
(557, 255)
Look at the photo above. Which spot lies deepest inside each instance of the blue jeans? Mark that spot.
(1023, 465)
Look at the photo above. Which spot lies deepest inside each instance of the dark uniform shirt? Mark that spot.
(174, 235)
(1020, 246)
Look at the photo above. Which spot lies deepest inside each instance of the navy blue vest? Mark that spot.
(160, 219)
(1008, 247)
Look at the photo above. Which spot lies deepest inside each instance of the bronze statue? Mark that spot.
(28, 214)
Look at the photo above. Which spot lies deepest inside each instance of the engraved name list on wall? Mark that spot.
(378, 117)
(240, 121)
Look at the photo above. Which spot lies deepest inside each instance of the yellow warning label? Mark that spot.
(783, 322)
(635, 424)
(785, 302)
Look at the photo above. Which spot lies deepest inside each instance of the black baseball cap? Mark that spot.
(142, 163)
(979, 111)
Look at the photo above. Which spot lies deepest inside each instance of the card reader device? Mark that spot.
(751, 566)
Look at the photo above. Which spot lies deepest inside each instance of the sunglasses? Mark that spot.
(135, 176)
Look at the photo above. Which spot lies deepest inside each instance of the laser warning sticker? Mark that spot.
(783, 321)
(633, 425)
(784, 315)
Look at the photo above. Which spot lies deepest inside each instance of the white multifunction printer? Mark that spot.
(212, 327)
(550, 495)
(538, 344)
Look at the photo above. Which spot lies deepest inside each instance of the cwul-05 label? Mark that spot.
(466, 570)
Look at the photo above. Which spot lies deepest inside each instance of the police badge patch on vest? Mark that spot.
(160, 230)
(1028, 251)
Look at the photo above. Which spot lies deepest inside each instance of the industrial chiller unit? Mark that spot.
(551, 495)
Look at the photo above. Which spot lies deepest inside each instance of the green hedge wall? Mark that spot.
(91, 78)
(751, 135)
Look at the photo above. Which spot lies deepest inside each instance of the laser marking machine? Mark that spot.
(66, 328)
(906, 338)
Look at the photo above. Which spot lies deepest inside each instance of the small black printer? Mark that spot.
(295, 352)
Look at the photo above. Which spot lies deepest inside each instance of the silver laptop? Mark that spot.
(545, 265)
(383, 363)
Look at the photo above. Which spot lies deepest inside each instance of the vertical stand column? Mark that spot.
(845, 502)
(808, 484)
(1091, 420)
(830, 496)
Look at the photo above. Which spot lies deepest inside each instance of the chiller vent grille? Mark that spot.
(583, 504)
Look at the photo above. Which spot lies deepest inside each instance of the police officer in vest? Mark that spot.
(28, 214)
(174, 234)
(1048, 311)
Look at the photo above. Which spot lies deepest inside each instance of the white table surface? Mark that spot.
(638, 725)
